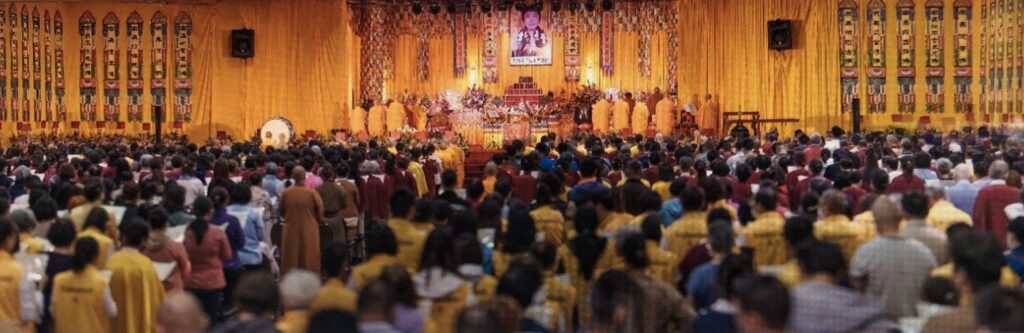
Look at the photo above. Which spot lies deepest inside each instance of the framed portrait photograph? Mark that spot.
(531, 43)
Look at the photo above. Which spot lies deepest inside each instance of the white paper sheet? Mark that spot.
(164, 269)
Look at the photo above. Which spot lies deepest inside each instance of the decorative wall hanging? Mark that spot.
(3, 65)
(673, 47)
(459, 32)
(48, 65)
(997, 9)
(183, 68)
(1010, 28)
(985, 62)
(373, 54)
(934, 52)
(158, 72)
(905, 55)
(607, 43)
(422, 51)
(1020, 56)
(490, 53)
(962, 55)
(15, 63)
(848, 40)
(134, 32)
(572, 48)
(644, 32)
(25, 108)
(37, 82)
(876, 56)
(58, 70)
(111, 68)
(87, 83)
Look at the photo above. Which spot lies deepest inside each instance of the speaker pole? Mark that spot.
(855, 105)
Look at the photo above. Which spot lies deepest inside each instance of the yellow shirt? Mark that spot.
(421, 178)
(838, 229)
(11, 275)
(724, 205)
(613, 222)
(333, 295)
(445, 310)
(106, 245)
(375, 121)
(561, 293)
(78, 302)
(663, 263)
(623, 182)
(294, 321)
(641, 117)
(31, 244)
(790, 274)
(599, 116)
(686, 233)
(608, 260)
(136, 289)
(943, 214)
(765, 236)
(550, 223)
(357, 122)
(411, 239)
(421, 117)
(1007, 278)
(662, 188)
(665, 116)
(620, 115)
(370, 270)
(866, 221)
(501, 260)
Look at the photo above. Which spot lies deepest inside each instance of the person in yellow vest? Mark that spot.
(549, 221)
(95, 227)
(381, 249)
(764, 235)
(409, 235)
(1007, 278)
(442, 290)
(357, 120)
(600, 112)
(298, 289)
(584, 258)
(490, 177)
(663, 264)
(416, 169)
(18, 307)
(521, 283)
(421, 116)
(692, 227)
(333, 295)
(25, 221)
(836, 228)
(94, 196)
(608, 212)
(620, 115)
(640, 118)
(664, 184)
(394, 118)
(664, 114)
(134, 283)
(375, 121)
(81, 300)
(798, 232)
(942, 212)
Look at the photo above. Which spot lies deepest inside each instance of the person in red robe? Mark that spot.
(375, 190)
(794, 177)
(431, 169)
(524, 186)
(652, 173)
(907, 181)
(989, 207)
(815, 171)
(853, 190)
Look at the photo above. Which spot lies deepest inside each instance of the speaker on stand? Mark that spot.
(855, 113)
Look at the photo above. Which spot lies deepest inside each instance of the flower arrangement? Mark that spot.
(585, 97)
(475, 98)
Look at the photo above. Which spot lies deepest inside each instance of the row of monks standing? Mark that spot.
(609, 116)
(385, 118)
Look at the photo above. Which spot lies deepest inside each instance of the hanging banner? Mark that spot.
(607, 42)
(111, 68)
(37, 77)
(876, 56)
(962, 55)
(673, 47)
(423, 49)
(848, 40)
(459, 30)
(158, 72)
(985, 62)
(572, 48)
(997, 10)
(3, 65)
(48, 66)
(87, 82)
(644, 31)
(934, 51)
(15, 63)
(905, 55)
(25, 108)
(58, 70)
(183, 68)
(490, 44)
(134, 31)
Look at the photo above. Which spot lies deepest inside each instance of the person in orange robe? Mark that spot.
(664, 117)
(357, 120)
(394, 118)
(641, 118)
(375, 121)
(707, 117)
(620, 115)
(599, 115)
(302, 209)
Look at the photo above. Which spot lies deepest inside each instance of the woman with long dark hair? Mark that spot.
(208, 249)
(520, 235)
(174, 202)
(585, 257)
(442, 290)
(81, 300)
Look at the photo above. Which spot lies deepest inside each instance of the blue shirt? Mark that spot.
(962, 196)
(272, 185)
(235, 235)
(1015, 259)
(582, 191)
(250, 253)
(701, 286)
(671, 211)
(546, 163)
(925, 174)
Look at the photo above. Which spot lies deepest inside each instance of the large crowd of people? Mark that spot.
(832, 232)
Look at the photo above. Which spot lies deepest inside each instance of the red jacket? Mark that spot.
(989, 214)
(905, 183)
(792, 179)
(375, 195)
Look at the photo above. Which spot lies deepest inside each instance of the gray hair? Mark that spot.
(23, 218)
(962, 172)
(721, 236)
(935, 191)
(298, 289)
(944, 165)
(998, 170)
(369, 167)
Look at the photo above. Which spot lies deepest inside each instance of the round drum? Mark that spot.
(277, 132)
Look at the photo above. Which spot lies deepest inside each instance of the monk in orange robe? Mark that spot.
(707, 118)
(357, 120)
(599, 115)
(620, 115)
(375, 121)
(301, 208)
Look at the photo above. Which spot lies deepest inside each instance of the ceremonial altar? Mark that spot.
(490, 122)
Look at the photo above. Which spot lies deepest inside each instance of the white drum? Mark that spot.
(277, 132)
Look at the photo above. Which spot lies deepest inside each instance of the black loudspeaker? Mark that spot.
(243, 43)
(158, 120)
(780, 34)
(855, 113)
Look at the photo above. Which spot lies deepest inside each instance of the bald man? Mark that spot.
(180, 312)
